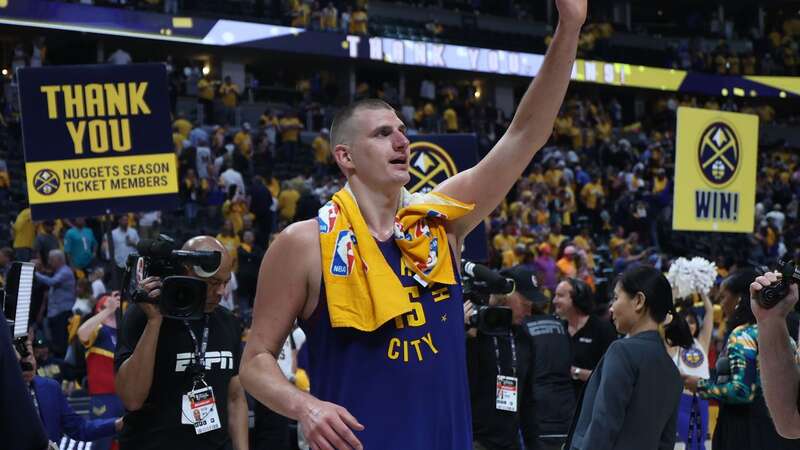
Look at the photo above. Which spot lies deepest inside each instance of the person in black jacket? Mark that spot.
(552, 389)
(631, 399)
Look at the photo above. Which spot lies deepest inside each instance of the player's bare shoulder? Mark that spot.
(299, 243)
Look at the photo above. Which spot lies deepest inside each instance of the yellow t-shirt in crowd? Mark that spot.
(229, 93)
(329, 19)
(322, 150)
(301, 13)
(604, 130)
(552, 177)
(503, 243)
(358, 22)
(590, 194)
(290, 129)
(555, 240)
(615, 245)
(205, 89)
(266, 120)
(659, 184)
(24, 231)
(183, 126)
(235, 212)
(510, 259)
(581, 242)
(451, 119)
(244, 142)
(287, 203)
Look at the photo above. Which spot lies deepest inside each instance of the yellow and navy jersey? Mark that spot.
(406, 382)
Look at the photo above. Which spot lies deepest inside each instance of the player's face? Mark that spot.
(380, 150)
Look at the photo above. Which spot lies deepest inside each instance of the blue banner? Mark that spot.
(437, 157)
(97, 140)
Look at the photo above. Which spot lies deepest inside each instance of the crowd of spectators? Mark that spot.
(596, 200)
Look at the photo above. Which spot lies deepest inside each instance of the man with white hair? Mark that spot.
(60, 299)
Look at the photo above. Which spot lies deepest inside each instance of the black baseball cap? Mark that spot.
(525, 283)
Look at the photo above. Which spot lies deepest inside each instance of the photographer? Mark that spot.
(20, 426)
(57, 416)
(165, 368)
(498, 417)
(780, 376)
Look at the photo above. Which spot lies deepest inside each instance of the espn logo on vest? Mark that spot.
(223, 359)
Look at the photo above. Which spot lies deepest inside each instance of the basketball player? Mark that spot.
(403, 385)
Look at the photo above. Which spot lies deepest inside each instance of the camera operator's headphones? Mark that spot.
(206, 272)
(581, 295)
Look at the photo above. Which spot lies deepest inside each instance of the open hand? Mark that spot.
(329, 427)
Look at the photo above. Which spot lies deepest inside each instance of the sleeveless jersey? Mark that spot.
(100, 360)
(692, 361)
(406, 382)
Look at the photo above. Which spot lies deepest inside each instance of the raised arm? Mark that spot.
(59, 277)
(708, 324)
(281, 296)
(488, 182)
(779, 374)
(134, 378)
(88, 330)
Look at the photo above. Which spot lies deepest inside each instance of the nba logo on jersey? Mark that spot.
(327, 217)
(343, 256)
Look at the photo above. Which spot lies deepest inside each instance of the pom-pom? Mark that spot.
(689, 276)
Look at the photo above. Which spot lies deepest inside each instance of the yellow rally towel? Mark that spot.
(362, 290)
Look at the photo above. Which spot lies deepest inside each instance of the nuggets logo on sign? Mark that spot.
(430, 165)
(46, 182)
(343, 255)
(715, 186)
(718, 154)
(692, 357)
(327, 217)
(97, 139)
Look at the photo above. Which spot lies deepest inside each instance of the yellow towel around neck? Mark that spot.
(361, 289)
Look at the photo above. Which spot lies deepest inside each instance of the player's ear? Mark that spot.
(341, 154)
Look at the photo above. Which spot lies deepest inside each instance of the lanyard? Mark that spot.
(35, 400)
(199, 349)
(513, 354)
